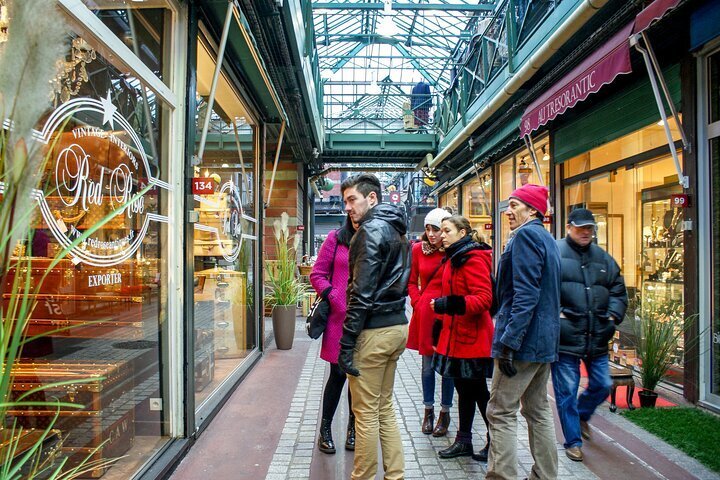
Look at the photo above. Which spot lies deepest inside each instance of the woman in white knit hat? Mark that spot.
(424, 285)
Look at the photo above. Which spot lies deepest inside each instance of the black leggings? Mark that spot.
(471, 392)
(333, 390)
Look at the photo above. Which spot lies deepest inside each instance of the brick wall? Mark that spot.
(286, 197)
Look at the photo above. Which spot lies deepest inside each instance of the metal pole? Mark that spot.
(684, 181)
(277, 159)
(216, 75)
(686, 144)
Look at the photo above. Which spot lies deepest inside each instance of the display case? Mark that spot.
(662, 263)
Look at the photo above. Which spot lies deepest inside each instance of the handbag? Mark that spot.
(317, 319)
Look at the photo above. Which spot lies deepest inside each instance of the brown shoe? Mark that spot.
(442, 425)
(428, 420)
(574, 453)
(585, 430)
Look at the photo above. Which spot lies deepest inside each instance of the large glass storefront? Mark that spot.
(516, 170)
(630, 194)
(712, 70)
(99, 334)
(225, 234)
(478, 204)
(450, 200)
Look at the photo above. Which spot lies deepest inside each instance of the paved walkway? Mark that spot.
(275, 438)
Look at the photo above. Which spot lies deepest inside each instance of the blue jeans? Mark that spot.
(428, 385)
(566, 380)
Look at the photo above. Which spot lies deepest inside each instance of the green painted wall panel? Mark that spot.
(623, 113)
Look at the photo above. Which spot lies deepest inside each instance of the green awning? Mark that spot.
(242, 52)
(505, 135)
(622, 113)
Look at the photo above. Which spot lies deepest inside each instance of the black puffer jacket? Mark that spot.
(379, 273)
(593, 291)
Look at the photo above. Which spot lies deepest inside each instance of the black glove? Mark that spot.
(345, 362)
(505, 361)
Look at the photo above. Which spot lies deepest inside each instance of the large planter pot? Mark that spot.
(647, 398)
(283, 320)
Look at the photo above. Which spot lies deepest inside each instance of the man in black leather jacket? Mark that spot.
(593, 300)
(375, 328)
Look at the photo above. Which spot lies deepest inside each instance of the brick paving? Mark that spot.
(294, 454)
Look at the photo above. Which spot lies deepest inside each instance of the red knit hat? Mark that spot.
(534, 196)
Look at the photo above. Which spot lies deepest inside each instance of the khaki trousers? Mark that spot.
(529, 388)
(376, 355)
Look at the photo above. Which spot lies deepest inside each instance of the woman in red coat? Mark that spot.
(424, 285)
(464, 345)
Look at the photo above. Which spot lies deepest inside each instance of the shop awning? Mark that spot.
(652, 13)
(600, 68)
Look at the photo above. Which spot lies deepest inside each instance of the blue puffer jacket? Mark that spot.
(528, 289)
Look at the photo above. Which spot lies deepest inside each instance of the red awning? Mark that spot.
(599, 69)
(652, 13)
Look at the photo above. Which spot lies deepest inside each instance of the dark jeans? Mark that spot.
(333, 391)
(428, 386)
(566, 380)
(471, 393)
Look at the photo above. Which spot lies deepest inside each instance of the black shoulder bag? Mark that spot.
(317, 319)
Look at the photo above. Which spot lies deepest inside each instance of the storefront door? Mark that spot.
(224, 184)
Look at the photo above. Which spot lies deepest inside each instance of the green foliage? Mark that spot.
(658, 330)
(689, 429)
(283, 286)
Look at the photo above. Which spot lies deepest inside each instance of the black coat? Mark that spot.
(592, 291)
(379, 273)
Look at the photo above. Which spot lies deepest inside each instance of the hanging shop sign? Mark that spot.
(94, 175)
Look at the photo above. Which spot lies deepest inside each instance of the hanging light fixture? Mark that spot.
(4, 22)
(546, 155)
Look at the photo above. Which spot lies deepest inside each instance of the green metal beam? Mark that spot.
(347, 57)
(488, 7)
(415, 63)
(395, 142)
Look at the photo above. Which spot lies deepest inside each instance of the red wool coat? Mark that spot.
(421, 292)
(468, 335)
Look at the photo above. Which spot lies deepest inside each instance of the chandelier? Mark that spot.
(72, 73)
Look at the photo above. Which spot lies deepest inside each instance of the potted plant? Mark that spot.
(659, 328)
(284, 289)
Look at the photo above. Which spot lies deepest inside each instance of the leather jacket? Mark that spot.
(379, 273)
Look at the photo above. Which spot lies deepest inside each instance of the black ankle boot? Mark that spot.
(482, 455)
(350, 438)
(457, 449)
(325, 442)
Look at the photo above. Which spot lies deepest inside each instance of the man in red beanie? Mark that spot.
(527, 329)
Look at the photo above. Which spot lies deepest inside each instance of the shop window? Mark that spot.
(650, 137)
(225, 237)
(450, 200)
(478, 204)
(640, 228)
(715, 351)
(520, 169)
(141, 26)
(101, 312)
